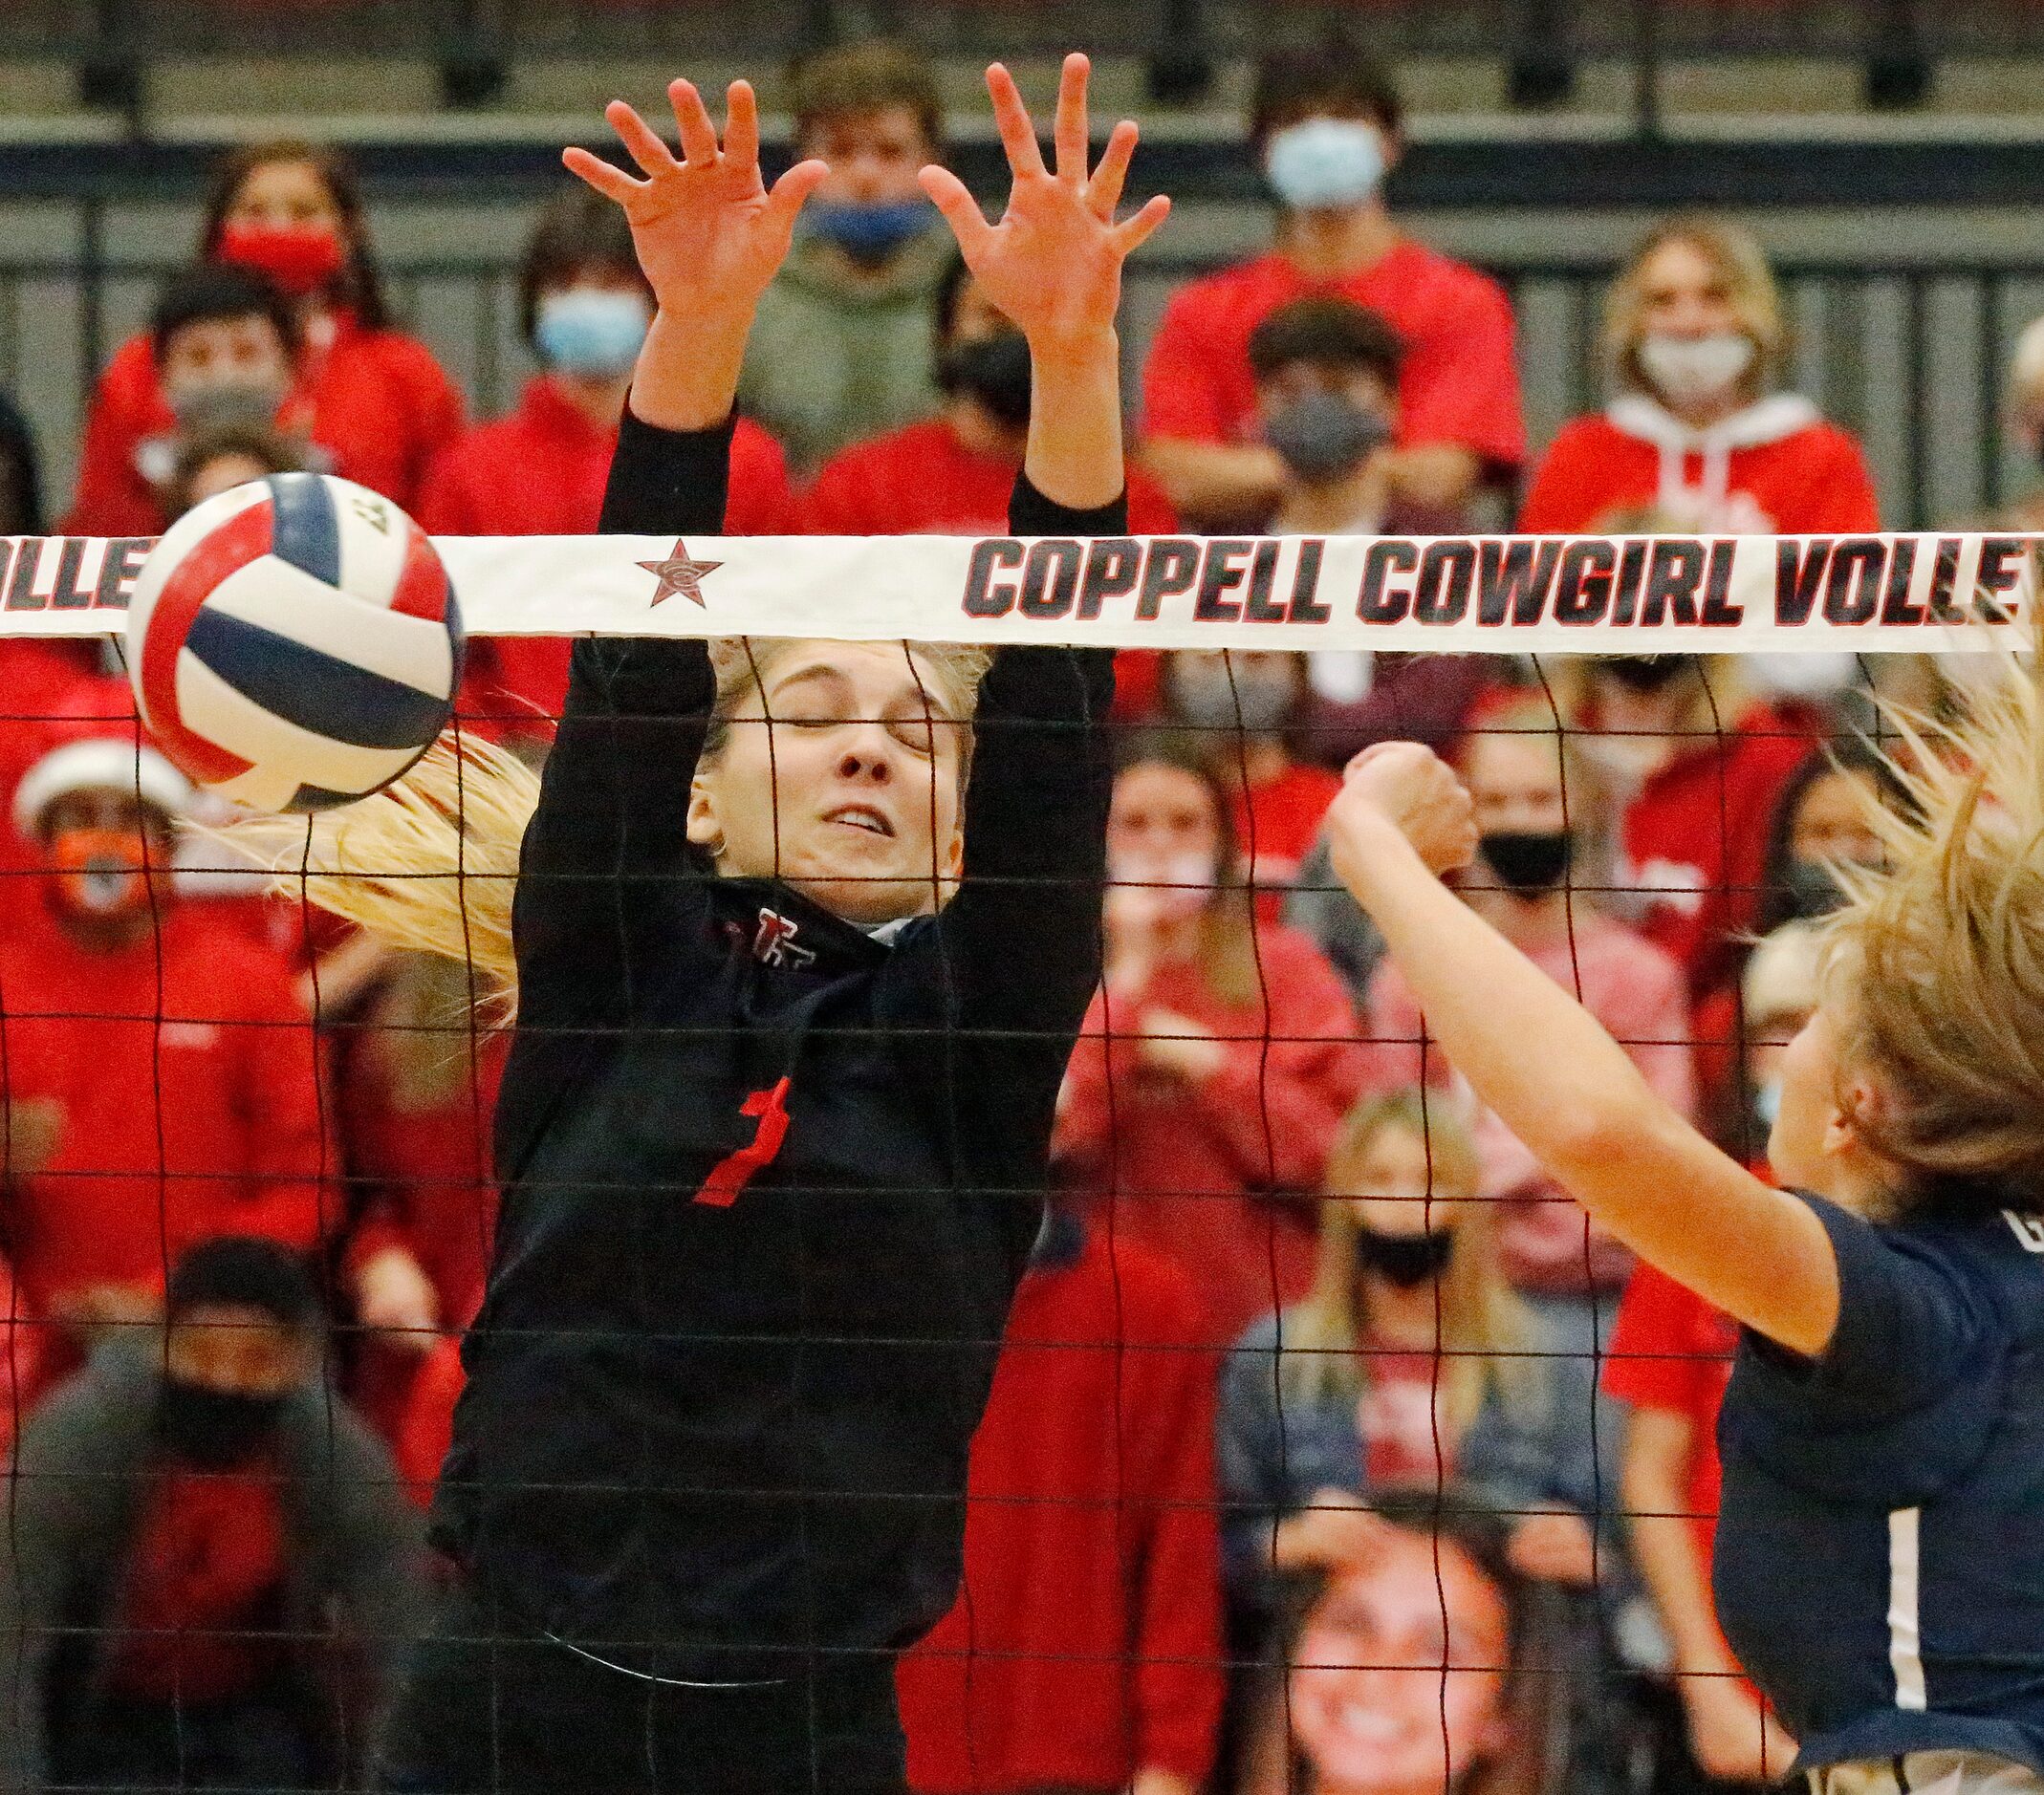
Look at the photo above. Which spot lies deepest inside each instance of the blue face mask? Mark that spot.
(590, 331)
(1324, 164)
(871, 233)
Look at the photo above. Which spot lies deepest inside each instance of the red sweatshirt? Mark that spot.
(376, 400)
(1218, 1178)
(1772, 468)
(36, 679)
(1086, 1643)
(540, 471)
(191, 1104)
(1282, 816)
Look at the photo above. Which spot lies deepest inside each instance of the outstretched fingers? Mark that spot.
(740, 125)
(699, 136)
(607, 178)
(1132, 233)
(1071, 127)
(1103, 192)
(641, 143)
(793, 191)
(1010, 118)
(960, 210)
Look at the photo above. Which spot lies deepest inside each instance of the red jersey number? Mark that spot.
(733, 1172)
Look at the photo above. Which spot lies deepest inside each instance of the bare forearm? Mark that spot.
(1211, 482)
(1438, 475)
(687, 373)
(1664, 1542)
(1075, 424)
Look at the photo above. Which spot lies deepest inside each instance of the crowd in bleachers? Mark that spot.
(1315, 1373)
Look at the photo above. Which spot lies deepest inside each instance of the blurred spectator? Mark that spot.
(1325, 127)
(37, 673)
(372, 401)
(841, 348)
(1540, 817)
(1238, 709)
(196, 1526)
(1413, 1661)
(1084, 1650)
(2026, 421)
(1216, 1061)
(1693, 764)
(21, 484)
(415, 1096)
(218, 460)
(584, 308)
(1326, 374)
(169, 1056)
(1410, 1366)
(1696, 340)
(1669, 1360)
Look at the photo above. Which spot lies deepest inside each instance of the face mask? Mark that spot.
(299, 259)
(1203, 695)
(871, 233)
(1646, 673)
(215, 1428)
(1527, 864)
(224, 404)
(96, 873)
(1406, 1260)
(995, 370)
(1324, 165)
(588, 331)
(1686, 368)
(1167, 885)
(1767, 1102)
(1813, 888)
(1323, 436)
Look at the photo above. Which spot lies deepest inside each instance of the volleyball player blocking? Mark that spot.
(804, 932)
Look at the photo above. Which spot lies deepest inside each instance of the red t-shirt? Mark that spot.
(1086, 1642)
(1282, 816)
(36, 681)
(1813, 479)
(376, 400)
(540, 472)
(192, 1105)
(204, 1576)
(1407, 1443)
(1459, 382)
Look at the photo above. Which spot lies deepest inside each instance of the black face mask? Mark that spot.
(1647, 673)
(1814, 890)
(215, 1428)
(1405, 1260)
(1325, 436)
(1527, 864)
(995, 370)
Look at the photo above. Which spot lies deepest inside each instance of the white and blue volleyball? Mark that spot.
(294, 643)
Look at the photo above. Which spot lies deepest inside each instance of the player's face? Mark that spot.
(1813, 1145)
(874, 155)
(1386, 1699)
(840, 775)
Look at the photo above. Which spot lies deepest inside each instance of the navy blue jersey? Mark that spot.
(1881, 1550)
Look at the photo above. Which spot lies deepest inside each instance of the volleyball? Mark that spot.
(294, 642)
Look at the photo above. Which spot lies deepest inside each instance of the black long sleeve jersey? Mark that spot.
(768, 1182)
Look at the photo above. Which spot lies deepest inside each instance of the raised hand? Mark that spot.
(709, 233)
(1052, 263)
(1415, 792)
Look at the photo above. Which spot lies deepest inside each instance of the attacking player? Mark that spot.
(1880, 1561)
(803, 941)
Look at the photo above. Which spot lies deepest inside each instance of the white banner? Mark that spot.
(1454, 595)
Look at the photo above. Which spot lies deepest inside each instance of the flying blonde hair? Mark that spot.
(1487, 1335)
(1934, 967)
(430, 862)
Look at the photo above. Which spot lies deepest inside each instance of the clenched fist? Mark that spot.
(1413, 790)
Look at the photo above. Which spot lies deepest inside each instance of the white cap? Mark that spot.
(99, 764)
(1781, 974)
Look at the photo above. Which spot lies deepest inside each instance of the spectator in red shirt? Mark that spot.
(1669, 1360)
(170, 1056)
(1084, 1651)
(1698, 433)
(1694, 765)
(1216, 1061)
(209, 1573)
(1325, 127)
(372, 400)
(540, 471)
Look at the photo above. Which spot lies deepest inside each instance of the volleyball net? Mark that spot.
(1318, 1401)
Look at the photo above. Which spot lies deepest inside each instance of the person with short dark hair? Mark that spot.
(540, 471)
(1326, 126)
(190, 1517)
(223, 457)
(842, 345)
(371, 400)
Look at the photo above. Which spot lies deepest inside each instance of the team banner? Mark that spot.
(1454, 595)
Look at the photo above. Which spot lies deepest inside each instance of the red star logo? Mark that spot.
(681, 575)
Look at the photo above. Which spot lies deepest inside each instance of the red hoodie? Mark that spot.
(540, 471)
(185, 1068)
(1086, 1643)
(1218, 1178)
(375, 400)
